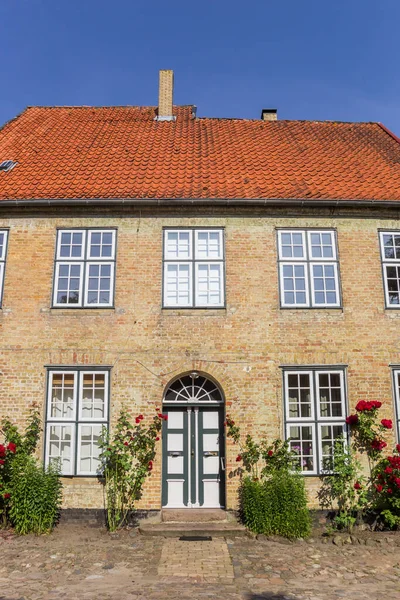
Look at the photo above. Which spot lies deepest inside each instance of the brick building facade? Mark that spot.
(274, 303)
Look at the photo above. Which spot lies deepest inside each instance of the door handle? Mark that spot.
(210, 453)
(222, 463)
(174, 453)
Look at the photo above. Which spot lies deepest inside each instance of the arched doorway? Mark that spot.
(193, 443)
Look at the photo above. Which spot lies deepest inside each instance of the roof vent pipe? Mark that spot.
(269, 114)
(165, 96)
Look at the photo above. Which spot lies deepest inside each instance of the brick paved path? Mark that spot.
(90, 564)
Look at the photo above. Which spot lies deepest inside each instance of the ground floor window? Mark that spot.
(77, 409)
(315, 413)
(396, 381)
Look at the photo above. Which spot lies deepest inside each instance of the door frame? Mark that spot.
(189, 462)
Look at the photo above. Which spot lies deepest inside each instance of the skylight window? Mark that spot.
(7, 165)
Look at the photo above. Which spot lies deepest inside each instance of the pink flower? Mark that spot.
(387, 423)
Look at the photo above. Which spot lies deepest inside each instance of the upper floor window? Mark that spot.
(3, 252)
(390, 253)
(315, 413)
(77, 409)
(308, 268)
(193, 268)
(84, 269)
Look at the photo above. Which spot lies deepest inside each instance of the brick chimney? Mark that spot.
(165, 96)
(269, 114)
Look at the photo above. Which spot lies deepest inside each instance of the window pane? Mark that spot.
(99, 284)
(62, 396)
(208, 244)
(178, 244)
(3, 238)
(324, 284)
(60, 447)
(178, 285)
(71, 244)
(209, 284)
(391, 246)
(299, 396)
(322, 245)
(101, 244)
(393, 284)
(89, 451)
(93, 396)
(292, 245)
(328, 435)
(294, 284)
(330, 395)
(68, 284)
(302, 444)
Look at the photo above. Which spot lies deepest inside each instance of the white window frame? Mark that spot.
(316, 420)
(73, 445)
(76, 421)
(396, 385)
(286, 391)
(317, 390)
(79, 471)
(313, 442)
(308, 261)
(193, 261)
(84, 260)
(3, 257)
(327, 423)
(388, 262)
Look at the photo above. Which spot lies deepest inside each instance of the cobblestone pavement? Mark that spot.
(84, 563)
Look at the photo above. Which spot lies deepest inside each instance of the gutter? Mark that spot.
(161, 202)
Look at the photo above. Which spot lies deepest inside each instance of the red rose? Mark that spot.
(352, 420)
(141, 417)
(126, 444)
(397, 481)
(137, 420)
(387, 423)
(150, 465)
(160, 415)
(238, 458)
(270, 453)
(398, 447)
(376, 404)
(12, 447)
(389, 491)
(157, 439)
(2, 462)
(225, 423)
(389, 470)
(2, 451)
(357, 486)
(165, 417)
(7, 496)
(378, 445)
(378, 487)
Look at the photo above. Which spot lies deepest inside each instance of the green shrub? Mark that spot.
(276, 506)
(35, 495)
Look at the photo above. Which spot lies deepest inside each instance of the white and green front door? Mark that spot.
(193, 448)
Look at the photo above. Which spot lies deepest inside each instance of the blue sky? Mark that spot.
(312, 59)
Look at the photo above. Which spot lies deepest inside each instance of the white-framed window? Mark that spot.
(84, 268)
(396, 386)
(193, 268)
(3, 254)
(308, 268)
(315, 415)
(77, 409)
(390, 255)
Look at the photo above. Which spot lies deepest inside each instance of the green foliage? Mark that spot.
(127, 460)
(35, 495)
(276, 506)
(343, 489)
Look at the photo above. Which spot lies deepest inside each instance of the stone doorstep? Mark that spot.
(194, 515)
(220, 529)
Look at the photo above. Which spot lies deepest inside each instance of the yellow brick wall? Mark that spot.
(242, 346)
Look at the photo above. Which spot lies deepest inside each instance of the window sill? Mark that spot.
(78, 311)
(193, 312)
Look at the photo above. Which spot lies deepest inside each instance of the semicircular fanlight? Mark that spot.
(193, 389)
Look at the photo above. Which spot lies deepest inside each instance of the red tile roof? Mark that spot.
(122, 152)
